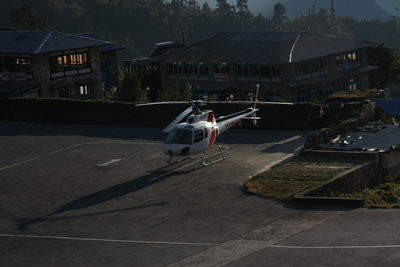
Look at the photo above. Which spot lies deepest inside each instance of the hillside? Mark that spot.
(141, 23)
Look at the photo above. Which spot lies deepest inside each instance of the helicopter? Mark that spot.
(200, 131)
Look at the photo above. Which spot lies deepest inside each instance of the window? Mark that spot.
(242, 70)
(198, 136)
(348, 60)
(67, 92)
(17, 63)
(258, 72)
(85, 92)
(221, 68)
(354, 84)
(265, 71)
(192, 70)
(302, 68)
(276, 71)
(254, 70)
(70, 62)
(203, 69)
(179, 136)
(320, 65)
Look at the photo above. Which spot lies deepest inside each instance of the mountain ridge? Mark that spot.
(358, 9)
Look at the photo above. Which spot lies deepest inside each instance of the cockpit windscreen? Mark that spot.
(180, 136)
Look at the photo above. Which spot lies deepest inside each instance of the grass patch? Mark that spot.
(383, 196)
(283, 182)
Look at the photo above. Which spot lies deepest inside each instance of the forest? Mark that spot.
(138, 24)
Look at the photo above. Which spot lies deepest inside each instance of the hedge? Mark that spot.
(273, 116)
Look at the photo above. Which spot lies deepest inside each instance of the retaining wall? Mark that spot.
(273, 116)
(349, 181)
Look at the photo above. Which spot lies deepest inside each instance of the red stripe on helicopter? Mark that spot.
(212, 137)
(211, 117)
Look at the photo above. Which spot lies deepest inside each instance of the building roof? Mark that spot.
(16, 87)
(391, 106)
(105, 48)
(142, 61)
(262, 47)
(35, 42)
(371, 138)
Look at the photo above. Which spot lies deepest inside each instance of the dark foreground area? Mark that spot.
(78, 195)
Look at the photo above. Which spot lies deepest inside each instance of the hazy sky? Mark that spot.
(265, 7)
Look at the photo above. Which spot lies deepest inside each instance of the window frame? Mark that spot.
(79, 61)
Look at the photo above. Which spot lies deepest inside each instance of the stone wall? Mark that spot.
(350, 181)
(111, 59)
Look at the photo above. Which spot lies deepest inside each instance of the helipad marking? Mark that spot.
(299, 148)
(188, 243)
(108, 163)
(108, 240)
(334, 247)
(71, 147)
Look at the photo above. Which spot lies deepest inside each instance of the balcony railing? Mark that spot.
(15, 76)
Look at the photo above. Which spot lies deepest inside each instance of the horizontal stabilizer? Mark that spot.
(251, 118)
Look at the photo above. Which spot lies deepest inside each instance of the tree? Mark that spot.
(224, 7)
(333, 9)
(279, 15)
(130, 88)
(25, 17)
(206, 9)
(242, 5)
(388, 61)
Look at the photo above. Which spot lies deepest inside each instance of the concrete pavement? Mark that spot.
(92, 195)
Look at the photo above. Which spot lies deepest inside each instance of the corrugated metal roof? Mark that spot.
(262, 47)
(105, 48)
(29, 42)
(391, 106)
(371, 138)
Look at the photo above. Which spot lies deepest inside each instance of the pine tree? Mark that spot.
(332, 9)
(279, 15)
(242, 5)
(25, 17)
(223, 7)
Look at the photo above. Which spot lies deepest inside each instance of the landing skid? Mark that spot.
(205, 161)
(170, 162)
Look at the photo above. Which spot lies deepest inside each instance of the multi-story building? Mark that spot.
(108, 62)
(147, 69)
(294, 66)
(50, 64)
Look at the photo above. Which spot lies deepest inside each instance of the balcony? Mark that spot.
(15, 76)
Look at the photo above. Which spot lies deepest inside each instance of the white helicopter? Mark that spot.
(199, 132)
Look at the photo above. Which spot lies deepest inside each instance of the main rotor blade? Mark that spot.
(177, 120)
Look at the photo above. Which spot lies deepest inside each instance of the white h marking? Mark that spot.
(108, 163)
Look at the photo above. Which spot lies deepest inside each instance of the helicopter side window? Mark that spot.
(198, 136)
(205, 133)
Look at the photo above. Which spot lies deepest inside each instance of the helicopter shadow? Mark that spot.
(111, 193)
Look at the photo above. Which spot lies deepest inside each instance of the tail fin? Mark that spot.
(254, 121)
(256, 96)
